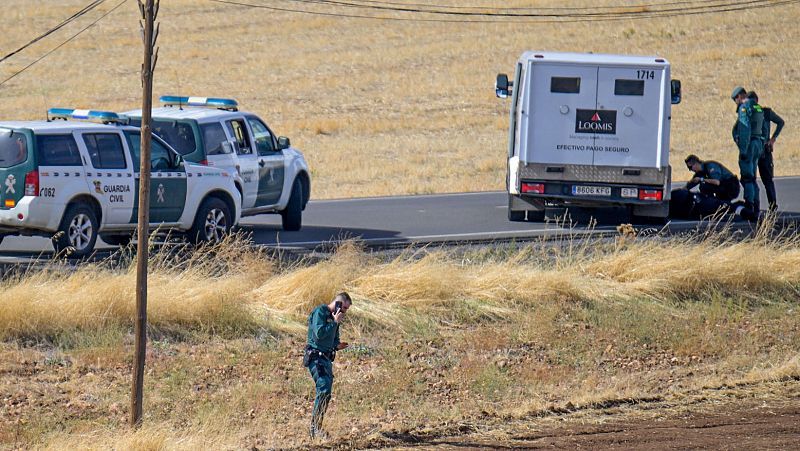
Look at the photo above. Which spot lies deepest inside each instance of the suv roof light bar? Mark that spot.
(210, 102)
(105, 117)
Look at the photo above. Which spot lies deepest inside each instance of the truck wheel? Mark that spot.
(78, 231)
(212, 223)
(292, 215)
(535, 215)
(117, 240)
(516, 215)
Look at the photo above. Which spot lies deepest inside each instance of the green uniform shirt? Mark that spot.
(749, 124)
(323, 331)
(712, 170)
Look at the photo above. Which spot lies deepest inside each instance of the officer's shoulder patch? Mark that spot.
(744, 110)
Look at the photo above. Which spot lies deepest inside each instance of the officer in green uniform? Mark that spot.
(747, 135)
(766, 168)
(323, 342)
(714, 179)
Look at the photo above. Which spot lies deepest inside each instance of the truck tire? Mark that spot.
(516, 215)
(212, 222)
(78, 231)
(535, 215)
(292, 215)
(117, 239)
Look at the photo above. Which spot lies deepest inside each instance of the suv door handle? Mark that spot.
(261, 163)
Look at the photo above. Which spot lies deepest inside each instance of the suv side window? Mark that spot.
(213, 138)
(262, 136)
(105, 150)
(13, 149)
(58, 150)
(239, 132)
(161, 158)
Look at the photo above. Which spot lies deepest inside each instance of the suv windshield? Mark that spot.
(13, 148)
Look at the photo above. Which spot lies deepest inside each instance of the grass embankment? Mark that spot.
(444, 341)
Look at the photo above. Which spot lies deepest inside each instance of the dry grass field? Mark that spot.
(572, 327)
(389, 107)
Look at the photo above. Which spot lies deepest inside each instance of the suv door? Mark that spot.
(271, 164)
(247, 160)
(110, 177)
(167, 181)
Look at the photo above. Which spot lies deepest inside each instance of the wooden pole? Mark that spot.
(149, 11)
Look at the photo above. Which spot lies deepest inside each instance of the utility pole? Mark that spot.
(149, 11)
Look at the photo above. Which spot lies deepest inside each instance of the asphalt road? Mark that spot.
(424, 219)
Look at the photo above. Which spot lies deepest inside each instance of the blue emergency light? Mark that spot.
(86, 115)
(210, 102)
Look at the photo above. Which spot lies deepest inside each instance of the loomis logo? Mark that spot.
(596, 121)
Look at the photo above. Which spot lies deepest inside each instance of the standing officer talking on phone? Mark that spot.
(323, 342)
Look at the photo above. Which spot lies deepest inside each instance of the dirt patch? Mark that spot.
(756, 422)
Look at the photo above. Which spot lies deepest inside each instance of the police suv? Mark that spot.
(589, 130)
(273, 177)
(82, 179)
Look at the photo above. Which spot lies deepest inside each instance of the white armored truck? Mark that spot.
(589, 130)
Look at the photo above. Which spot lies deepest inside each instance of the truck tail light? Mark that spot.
(533, 188)
(204, 162)
(32, 183)
(651, 194)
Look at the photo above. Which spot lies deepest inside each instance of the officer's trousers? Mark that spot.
(766, 171)
(748, 162)
(321, 370)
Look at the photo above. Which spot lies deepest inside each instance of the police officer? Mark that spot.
(747, 133)
(715, 180)
(323, 342)
(765, 165)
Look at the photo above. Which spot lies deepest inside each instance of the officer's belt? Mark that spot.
(317, 353)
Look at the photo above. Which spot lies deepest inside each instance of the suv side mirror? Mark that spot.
(227, 147)
(502, 88)
(675, 86)
(283, 143)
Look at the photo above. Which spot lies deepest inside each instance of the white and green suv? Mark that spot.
(82, 179)
(272, 176)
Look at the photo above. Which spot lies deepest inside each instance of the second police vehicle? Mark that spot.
(589, 130)
(273, 177)
(77, 180)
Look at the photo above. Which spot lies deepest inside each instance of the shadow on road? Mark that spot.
(270, 234)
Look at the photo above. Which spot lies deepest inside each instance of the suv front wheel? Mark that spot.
(78, 231)
(292, 215)
(212, 223)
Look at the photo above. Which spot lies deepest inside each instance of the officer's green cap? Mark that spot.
(736, 91)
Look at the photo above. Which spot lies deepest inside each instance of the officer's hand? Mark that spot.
(771, 142)
(342, 346)
(695, 180)
(338, 316)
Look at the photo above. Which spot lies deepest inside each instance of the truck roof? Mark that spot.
(201, 114)
(592, 58)
(60, 126)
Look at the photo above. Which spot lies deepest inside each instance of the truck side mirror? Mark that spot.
(502, 88)
(675, 86)
(283, 143)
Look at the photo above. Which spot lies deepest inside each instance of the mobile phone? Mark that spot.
(337, 307)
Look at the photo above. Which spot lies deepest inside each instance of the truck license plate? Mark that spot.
(580, 190)
(629, 192)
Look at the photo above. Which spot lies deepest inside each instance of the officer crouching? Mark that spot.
(323, 342)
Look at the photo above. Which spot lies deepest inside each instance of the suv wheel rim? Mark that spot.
(216, 225)
(80, 232)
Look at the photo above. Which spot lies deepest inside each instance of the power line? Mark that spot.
(63, 43)
(551, 18)
(622, 11)
(61, 25)
(538, 8)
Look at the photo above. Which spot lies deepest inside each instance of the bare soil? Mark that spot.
(746, 421)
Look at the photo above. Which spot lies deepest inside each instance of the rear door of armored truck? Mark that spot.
(636, 95)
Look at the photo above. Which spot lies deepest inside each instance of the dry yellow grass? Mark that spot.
(395, 107)
(441, 337)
